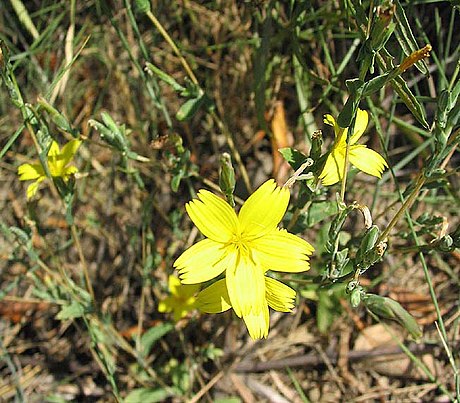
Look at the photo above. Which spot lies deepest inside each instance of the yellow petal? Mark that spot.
(362, 119)
(189, 290)
(339, 133)
(264, 209)
(33, 187)
(174, 284)
(214, 299)
(180, 311)
(202, 261)
(333, 169)
(246, 286)
(182, 291)
(54, 149)
(69, 171)
(282, 251)
(329, 120)
(367, 160)
(258, 323)
(166, 305)
(182, 308)
(213, 216)
(30, 171)
(69, 150)
(361, 122)
(280, 297)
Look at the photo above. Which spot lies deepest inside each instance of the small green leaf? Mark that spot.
(165, 77)
(355, 89)
(293, 157)
(55, 399)
(190, 108)
(400, 86)
(324, 314)
(389, 309)
(151, 336)
(320, 211)
(147, 395)
(368, 242)
(376, 84)
(328, 306)
(72, 311)
(228, 400)
(406, 38)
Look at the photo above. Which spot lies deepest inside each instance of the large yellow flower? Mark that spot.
(363, 158)
(57, 163)
(245, 247)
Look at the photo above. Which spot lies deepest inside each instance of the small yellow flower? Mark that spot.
(245, 247)
(363, 158)
(57, 164)
(182, 299)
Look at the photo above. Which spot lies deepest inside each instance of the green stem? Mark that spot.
(171, 43)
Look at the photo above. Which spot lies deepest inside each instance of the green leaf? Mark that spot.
(55, 399)
(72, 311)
(406, 38)
(355, 88)
(400, 86)
(148, 395)
(166, 78)
(293, 157)
(376, 84)
(328, 305)
(320, 211)
(190, 108)
(389, 309)
(151, 336)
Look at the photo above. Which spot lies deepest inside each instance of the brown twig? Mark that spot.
(313, 360)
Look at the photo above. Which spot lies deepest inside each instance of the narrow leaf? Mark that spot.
(406, 38)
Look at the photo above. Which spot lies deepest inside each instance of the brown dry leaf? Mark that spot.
(377, 337)
(257, 138)
(300, 335)
(243, 390)
(281, 138)
(15, 310)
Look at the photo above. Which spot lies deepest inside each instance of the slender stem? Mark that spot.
(235, 153)
(406, 205)
(140, 319)
(173, 46)
(427, 278)
(345, 172)
(189, 71)
(76, 239)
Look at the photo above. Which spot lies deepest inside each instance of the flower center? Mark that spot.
(242, 245)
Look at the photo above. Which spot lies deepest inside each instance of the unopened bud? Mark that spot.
(227, 178)
(415, 57)
(389, 309)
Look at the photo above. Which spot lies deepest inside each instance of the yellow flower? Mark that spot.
(363, 158)
(245, 247)
(57, 164)
(182, 299)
